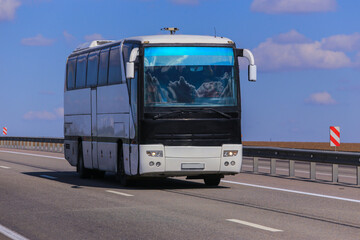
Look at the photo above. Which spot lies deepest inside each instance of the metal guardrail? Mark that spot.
(292, 155)
(33, 143)
(311, 156)
(33, 139)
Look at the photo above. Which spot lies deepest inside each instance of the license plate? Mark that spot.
(197, 166)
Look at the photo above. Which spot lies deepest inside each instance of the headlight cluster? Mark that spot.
(154, 153)
(230, 153)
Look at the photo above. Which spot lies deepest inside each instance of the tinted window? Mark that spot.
(92, 69)
(70, 77)
(103, 66)
(114, 66)
(81, 71)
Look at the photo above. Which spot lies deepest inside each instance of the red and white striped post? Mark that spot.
(334, 136)
(4, 130)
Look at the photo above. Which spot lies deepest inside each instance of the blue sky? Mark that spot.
(307, 52)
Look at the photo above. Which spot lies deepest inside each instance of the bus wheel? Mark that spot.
(83, 172)
(98, 174)
(123, 179)
(212, 180)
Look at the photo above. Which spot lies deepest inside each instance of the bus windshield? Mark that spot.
(189, 77)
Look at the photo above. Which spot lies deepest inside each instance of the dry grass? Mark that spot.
(345, 147)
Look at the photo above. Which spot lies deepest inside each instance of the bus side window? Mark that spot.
(114, 66)
(70, 76)
(81, 71)
(92, 69)
(103, 67)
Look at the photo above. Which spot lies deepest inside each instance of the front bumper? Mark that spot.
(189, 160)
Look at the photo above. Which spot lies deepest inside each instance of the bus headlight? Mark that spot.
(230, 153)
(154, 153)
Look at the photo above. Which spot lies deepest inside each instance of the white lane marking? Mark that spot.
(47, 176)
(300, 171)
(11, 234)
(293, 191)
(254, 225)
(120, 193)
(5, 167)
(35, 155)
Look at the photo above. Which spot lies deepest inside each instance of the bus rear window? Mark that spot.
(70, 79)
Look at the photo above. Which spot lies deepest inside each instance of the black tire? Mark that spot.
(120, 175)
(124, 180)
(98, 174)
(212, 180)
(83, 172)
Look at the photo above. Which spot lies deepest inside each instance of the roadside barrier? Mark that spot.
(33, 143)
(313, 157)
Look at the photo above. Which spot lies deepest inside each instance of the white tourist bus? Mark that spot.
(155, 106)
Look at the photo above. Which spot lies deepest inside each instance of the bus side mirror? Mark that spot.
(252, 73)
(130, 70)
(252, 67)
(130, 66)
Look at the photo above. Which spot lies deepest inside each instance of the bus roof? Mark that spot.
(159, 39)
(181, 39)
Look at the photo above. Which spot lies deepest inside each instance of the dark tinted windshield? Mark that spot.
(189, 76)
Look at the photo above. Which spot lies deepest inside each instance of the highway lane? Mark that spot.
(43, 198)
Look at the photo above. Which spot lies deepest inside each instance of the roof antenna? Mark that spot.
(215, 31)
(171, 29)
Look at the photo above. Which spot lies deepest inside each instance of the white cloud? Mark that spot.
(38, 40)
(44, 115)
(293, 6)
(8, 8)
(39, 115)
(68, 37)
(342, 42)
(273, 56)
(291, 37)
(92, 37)
(321, 98)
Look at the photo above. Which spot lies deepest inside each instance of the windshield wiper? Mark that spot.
(160, 115)
(217, 111)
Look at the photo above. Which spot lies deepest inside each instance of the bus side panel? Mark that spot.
(71, 151)
(77, 127)
(86, 148)
(77, 122)
(107, 156)
(113, 99)
(113, 115)
(77, 102)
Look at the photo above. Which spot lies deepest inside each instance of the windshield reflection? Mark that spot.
(194, 84)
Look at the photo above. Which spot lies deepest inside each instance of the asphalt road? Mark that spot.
(42, 197)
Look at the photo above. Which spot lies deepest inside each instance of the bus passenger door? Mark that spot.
(95, 162)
